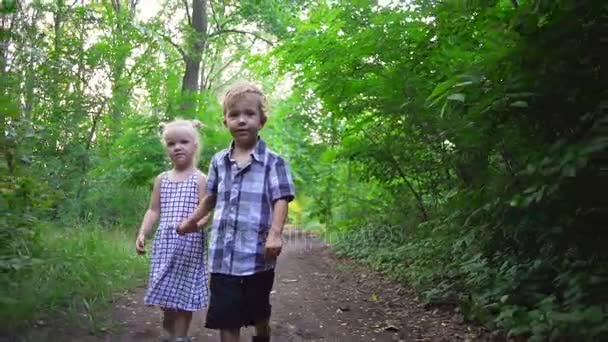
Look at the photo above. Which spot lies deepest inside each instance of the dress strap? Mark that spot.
(164, 177)
(194, 175)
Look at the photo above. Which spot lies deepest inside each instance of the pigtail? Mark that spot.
(197, 124)
(161, 127)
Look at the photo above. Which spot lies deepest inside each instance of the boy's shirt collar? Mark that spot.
(258, 153)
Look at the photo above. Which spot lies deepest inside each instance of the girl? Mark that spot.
(178, 279)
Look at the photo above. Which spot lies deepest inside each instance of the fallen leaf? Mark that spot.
(390, 326)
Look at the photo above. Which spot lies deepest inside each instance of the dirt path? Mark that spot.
(316, 297)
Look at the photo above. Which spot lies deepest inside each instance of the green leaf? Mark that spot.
(439, 92)
(456, 97)
(8, 6)
(519, 104)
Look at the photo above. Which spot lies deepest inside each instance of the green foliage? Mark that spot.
(8, 6)
(458, 146)
(74, 269)
(478, 130)
(83, 88)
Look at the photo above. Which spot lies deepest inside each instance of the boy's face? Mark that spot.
(243, 119)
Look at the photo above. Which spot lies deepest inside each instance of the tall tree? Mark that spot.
(196, 38)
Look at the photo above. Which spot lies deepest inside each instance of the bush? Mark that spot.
(73, 268)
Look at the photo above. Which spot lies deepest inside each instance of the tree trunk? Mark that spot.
(7, 23)
(121, 88)
(57, 27)
(195, 46)
(79, 108)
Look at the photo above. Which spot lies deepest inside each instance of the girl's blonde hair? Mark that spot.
(240, 89)
(191, 127)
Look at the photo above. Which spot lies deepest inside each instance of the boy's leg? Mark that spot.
(230, 335)
(226, 306)
(258, 298)
(262, 330)
(182, 323)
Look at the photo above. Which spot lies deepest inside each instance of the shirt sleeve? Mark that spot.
(212, 180)
(281, 183)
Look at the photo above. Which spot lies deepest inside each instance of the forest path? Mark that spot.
(316, 297)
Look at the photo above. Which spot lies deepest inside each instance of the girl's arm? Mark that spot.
(202, 181)
(150, 217)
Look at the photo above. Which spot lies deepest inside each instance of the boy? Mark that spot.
(250, 187)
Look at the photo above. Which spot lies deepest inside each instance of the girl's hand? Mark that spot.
(187, 226)
(140, 244)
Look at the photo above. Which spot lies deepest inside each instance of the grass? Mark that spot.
(79, 270)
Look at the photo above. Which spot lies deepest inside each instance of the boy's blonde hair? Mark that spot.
(238, 90)
(191, 127)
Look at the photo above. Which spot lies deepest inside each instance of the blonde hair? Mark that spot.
(240, 89)
(191, 127)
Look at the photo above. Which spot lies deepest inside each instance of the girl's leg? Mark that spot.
(169, 316)
(182, 323)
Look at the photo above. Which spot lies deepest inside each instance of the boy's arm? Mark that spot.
(205, 205)
(279, 216)
(274, 242)
(202, 210)
(201, 183)
(282, 192)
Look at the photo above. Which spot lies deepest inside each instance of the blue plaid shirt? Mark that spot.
(243, 209)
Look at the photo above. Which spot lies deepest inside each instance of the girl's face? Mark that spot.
(181, 147)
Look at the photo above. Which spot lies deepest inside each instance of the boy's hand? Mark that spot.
(140, 244)
(274, 244)
(187, 226)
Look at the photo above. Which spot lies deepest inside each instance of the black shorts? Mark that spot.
(238, 301)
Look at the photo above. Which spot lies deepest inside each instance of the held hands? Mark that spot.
(140, 244)
(187, 226)
(274, 244)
